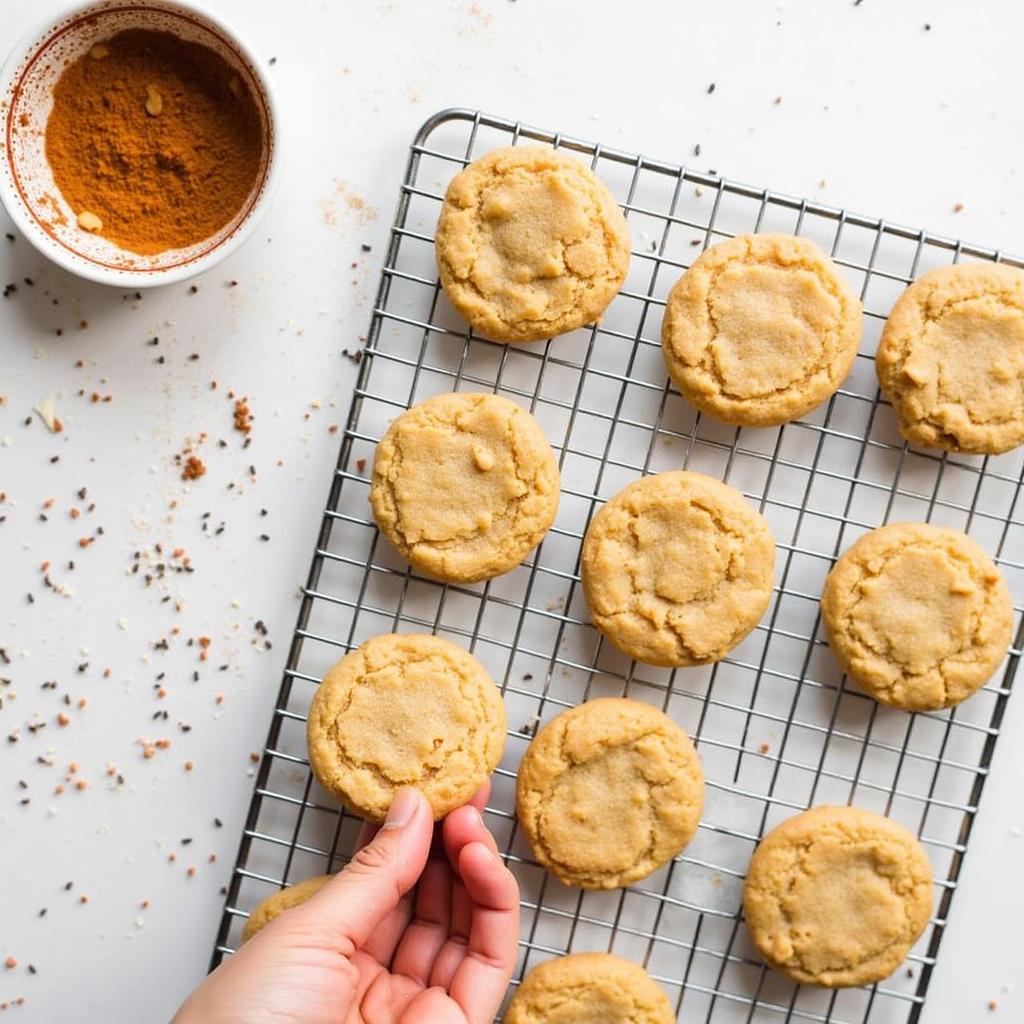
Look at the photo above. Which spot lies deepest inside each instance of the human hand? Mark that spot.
(410, 932)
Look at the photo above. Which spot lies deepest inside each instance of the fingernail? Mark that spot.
(402, 808)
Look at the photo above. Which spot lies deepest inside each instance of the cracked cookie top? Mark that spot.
(837, 896)
(405, 709)
(529, 244)
(951, 359)
(609, 791)
(760, 330)
(464, 486)
(587, 988)
(677, 569)
(277, 903)
(918, 615)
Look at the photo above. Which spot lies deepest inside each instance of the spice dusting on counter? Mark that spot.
(155, 144)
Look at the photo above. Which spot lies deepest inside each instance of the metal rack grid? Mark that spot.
(776, 724)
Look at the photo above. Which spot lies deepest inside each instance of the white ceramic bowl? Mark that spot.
(27, 187)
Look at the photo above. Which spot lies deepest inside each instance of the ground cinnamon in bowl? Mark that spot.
(154, 142)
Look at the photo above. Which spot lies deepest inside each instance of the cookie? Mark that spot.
(405, 709)
(677, 569)
(464, 486)
(589, 988)
(609, 791)
(760, 330)
(918, 615)
(529, 244)
(951, 359)
(836, 896)
(277, 903)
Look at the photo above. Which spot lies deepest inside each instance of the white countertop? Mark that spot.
(878, 113)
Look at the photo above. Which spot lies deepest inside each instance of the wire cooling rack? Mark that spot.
(777, 726)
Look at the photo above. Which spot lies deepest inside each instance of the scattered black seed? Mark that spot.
(160, 359)
(31, 283)
(42, 911)
(9, 237)
(366, 248)
(153, 341)
(31, 599)
(193, 288)
(31, 969)
(264, 536)
(186, 841)
(263, 512)
(217, 823)
(194, 357)
(711, 88)
(68, 885)
(927, 27)
(272, 61)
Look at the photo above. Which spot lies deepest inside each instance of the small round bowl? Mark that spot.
(27, 188)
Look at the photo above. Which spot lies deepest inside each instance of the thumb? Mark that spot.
(345, 912)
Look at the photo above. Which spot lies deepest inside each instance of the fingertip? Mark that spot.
(487, 878)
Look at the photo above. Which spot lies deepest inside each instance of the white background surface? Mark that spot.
(877, 114)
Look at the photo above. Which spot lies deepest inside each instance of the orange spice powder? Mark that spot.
(154, 142)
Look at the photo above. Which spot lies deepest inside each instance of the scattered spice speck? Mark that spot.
(193, 469)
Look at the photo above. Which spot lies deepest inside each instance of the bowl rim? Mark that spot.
(125, 277)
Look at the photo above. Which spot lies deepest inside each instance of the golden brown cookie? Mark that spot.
(277, 903)
(836, 896)
(918, 615)
(589, 988)
(464, 486)
(608, 792)
(760, 330)
(405, 709)
(677, 569)
(530, 243)
(951, 359)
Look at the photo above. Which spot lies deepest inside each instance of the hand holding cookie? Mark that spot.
(408, 932)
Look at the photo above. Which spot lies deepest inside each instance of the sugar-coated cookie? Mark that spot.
(951, 359)
(918, 615)
(677, 569)
(530, 243)
(405, 709)
(464, 486)
(589, 988)
(760, 330)
(836, 896)
(609, 791)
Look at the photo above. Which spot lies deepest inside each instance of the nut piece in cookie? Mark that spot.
(464, 486)
(530, 244)
(951, 359)
(609, 791)
(589, 988)
(277, 903)
(760, 330)
(405, 709)
(918, 615)
(837, 896)
(677, 569)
